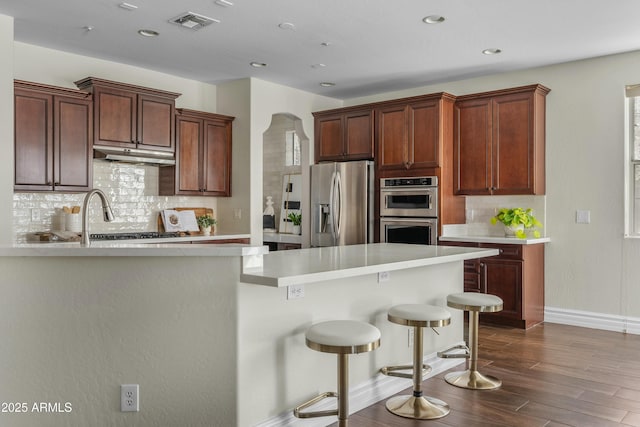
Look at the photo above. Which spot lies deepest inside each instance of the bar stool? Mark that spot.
(474, 303)
(416, 406)
(342, 337)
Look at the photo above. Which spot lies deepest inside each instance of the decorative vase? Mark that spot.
(296, 230)
(513, 230)
(206, 231)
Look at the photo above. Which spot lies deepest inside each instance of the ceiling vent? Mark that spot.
(193, 21)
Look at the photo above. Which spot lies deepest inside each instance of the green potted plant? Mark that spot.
(206, 222)
(296, 220)
(517, 221)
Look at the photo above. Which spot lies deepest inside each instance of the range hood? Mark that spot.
(133, 155)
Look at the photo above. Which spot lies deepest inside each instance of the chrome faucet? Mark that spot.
(107, 214)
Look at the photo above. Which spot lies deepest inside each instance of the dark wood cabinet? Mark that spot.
(411, 134)
(132, 116)
(516, 275)
(499, 142)
(203, 156)
(344, 134)
(53, 138)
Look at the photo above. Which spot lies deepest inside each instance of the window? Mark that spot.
(632, 166)
(292, 148)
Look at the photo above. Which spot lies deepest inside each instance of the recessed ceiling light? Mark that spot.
(325, 44)
(87, 28)
(256, 64)
(327, 84)
(433, 19)
(287, 26)
(127, 6)
(223, 3)
(491, 51)
(148, 33)
(318, 65)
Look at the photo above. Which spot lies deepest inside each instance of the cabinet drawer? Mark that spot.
(506, 251)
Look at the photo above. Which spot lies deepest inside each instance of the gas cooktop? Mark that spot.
(132, 235)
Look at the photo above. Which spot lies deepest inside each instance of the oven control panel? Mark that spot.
(420, 181)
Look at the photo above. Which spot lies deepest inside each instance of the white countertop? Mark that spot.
(128, 249)
(495, 239)
(295, 267)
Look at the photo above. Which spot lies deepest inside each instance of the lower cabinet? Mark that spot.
(516, 275)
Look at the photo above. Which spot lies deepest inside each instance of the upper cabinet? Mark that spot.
(53, 138)
(203, 156)
(131, 116)
(411, 134)
(345, 134)
(499, 142)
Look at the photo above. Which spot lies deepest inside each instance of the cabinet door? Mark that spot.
(216, 157)
(115, 117)
(188, 156)
(504, 279)
(33, 141)
(155, 123)
(513, 144)
(358, 127)
(329, 134)
(472, 151)
(424, 134)
(73, 141)
(392, 138)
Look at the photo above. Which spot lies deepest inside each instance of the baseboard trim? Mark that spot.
(363, 395)
(587, 319)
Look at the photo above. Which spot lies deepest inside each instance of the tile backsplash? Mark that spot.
(131, 189)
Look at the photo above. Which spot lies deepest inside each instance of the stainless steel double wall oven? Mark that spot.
(409, 210)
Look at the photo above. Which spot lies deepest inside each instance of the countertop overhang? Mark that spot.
(495, 239)
(112, 249)
(295, 267)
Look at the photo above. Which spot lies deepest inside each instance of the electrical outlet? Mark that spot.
(410, 337)
(129, 398)
(237, 213)
(295, 291)
(35, 215)
(583, 217)
(383, 276)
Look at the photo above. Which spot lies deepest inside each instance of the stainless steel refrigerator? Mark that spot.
(342, 203)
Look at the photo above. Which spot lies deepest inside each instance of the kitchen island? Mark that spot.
(207, 347)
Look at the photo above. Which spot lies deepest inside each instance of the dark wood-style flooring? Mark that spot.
(553, 375)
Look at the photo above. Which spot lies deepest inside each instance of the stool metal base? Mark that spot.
(419, 408)
(392, 371)
(472, 380)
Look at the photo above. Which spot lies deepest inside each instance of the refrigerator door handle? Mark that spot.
(332, 204)
(338, 216)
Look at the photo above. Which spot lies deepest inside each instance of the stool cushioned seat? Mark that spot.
(474, 301)
(344, 336)
(419, 315)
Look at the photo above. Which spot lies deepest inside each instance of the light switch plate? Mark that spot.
(583, 217)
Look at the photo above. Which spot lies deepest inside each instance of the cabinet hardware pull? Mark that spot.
(493, 188)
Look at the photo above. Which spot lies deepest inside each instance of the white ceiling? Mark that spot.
(374, 45)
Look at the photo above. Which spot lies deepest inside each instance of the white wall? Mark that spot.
(63, 68)
(6, 127)
(588, 267)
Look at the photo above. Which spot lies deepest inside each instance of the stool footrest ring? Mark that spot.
(447, 355)
(297, 410)
(392, 371)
